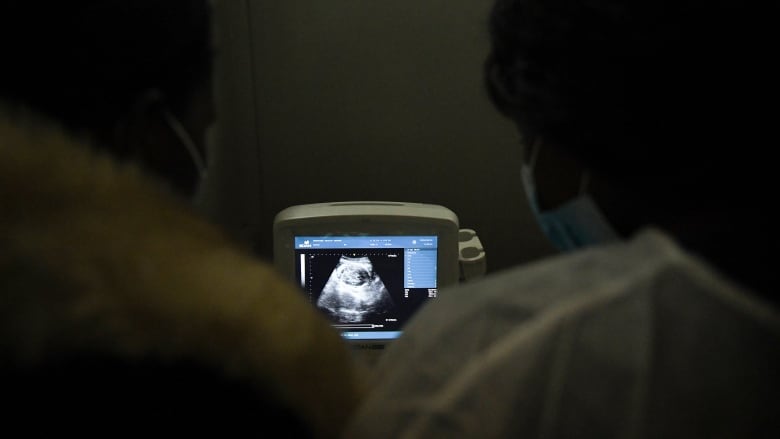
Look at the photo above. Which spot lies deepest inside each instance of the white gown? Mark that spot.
(632, 340)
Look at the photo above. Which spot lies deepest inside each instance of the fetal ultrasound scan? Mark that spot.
(354, 292)
(367, 293)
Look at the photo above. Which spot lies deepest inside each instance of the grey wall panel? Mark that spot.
(365, 99)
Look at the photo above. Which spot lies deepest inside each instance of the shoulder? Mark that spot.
(516, 296)
(96, 256)
(571, 339)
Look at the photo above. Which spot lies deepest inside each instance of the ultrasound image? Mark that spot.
(354, 291)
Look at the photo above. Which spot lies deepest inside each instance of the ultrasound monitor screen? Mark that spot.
(368, 286)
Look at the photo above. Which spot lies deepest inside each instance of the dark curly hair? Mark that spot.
(629, 86)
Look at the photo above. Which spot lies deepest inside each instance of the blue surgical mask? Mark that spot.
(575, 224)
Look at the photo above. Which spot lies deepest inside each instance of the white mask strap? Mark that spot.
(186, 139)
(535, 147)
(584, 175)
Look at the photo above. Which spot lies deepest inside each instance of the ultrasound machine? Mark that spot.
(370, 265)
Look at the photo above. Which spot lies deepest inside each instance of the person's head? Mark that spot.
(662, 100)
(134, 77)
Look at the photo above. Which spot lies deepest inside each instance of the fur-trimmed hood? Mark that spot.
(96, 255)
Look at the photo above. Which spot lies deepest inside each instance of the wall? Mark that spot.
(363, 100)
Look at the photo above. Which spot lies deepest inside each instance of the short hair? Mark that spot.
(633, 85)
(83, 63)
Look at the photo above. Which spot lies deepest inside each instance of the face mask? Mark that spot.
(186, 140)
(575, 224)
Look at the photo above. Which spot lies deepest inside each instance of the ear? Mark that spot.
(136, 134)
(147, 136)
(558, 175)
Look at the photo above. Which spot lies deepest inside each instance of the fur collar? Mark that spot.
(95, 254)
